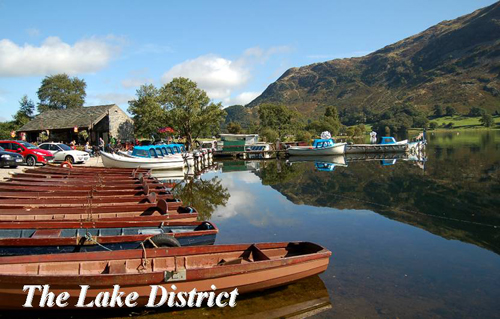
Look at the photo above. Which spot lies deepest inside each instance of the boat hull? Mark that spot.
(337, 149)
(118, 161)
(400, 146)
(253, 275)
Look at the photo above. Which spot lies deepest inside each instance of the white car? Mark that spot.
(64, 153)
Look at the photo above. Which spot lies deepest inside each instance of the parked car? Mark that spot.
(31, 153)
(10, 159)
(63, 152)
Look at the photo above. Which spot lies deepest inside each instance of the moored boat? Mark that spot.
(320, 147)
(33, 238)
(120, 161)
(247, 267)
(387, 145)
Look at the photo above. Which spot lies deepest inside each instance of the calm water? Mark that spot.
(409, 238)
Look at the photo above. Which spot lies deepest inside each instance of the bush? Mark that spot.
(303, 136)
(269, 135)
(433, 125)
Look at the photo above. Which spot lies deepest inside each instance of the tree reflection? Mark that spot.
(277, 172)
(204, 195)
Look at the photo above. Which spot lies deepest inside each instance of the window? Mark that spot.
(44, 147)
(28, 145)
(63, 146)
(152, 152)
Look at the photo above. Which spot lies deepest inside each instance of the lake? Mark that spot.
(409, 237)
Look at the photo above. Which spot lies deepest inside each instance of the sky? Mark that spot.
(232, 49)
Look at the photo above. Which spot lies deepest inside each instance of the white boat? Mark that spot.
(120, 161)
(320, 147)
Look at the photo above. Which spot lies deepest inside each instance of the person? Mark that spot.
(101, 144)
(88, 149)
(373, 137)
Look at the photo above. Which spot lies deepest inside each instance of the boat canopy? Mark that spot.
(388, 140)
(154, 151)
(322, 143)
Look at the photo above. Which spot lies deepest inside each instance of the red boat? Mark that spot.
(159, 208)
(247, 267)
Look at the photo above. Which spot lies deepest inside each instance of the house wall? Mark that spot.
(121, 125)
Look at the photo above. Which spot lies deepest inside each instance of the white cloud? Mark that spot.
(216, 75)
(33, 32)
(55, 56)
(242, 98)
(220, 76)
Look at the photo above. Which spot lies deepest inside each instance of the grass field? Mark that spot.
(464, 122)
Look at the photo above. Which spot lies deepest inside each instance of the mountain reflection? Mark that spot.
(455, 197)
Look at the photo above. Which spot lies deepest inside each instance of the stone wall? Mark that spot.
(121, 125)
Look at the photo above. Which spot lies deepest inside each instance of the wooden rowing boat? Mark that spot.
(145, 211)
(247, 267)
(34, 238)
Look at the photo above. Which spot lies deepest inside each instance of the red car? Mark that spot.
(31, 153)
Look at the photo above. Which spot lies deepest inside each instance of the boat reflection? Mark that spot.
(301, 299)
(328, 163)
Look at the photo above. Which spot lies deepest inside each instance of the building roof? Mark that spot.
(68, 118)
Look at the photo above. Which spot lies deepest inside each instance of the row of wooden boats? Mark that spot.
(67, 227)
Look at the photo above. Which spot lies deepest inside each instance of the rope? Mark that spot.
(89, 237)
(144, 258)
(417, 213)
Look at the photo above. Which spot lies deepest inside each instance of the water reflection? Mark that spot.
(203, 194)
(417, 238)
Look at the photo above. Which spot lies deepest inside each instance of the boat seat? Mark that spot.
(224, 262)
(116, 267)
(47, 233)
(253, 253)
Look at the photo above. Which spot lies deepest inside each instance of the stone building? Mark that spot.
(66, 125)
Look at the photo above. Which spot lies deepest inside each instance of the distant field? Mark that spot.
(464, 122)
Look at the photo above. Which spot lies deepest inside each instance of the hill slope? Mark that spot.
(454, 63)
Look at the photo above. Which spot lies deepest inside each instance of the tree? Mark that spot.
(477, 111)
(450, 110)
(278, 118)
(147, 112)
(269, 135)
(61, 92)
(487, 120)
(438, 110)
(303, 136)
(234, 128)
(189, 109)
(25, 112)
(433, 125)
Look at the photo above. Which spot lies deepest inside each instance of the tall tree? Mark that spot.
(438, 110)
(234, 128)
(61, 92)
(25, 112)
(487, 120)
(278, 118)
(329, 122)
(189, 109)
(147, 111)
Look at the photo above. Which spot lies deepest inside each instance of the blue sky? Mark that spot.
(233, 49)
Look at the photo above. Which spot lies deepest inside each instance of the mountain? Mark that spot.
(455, 63)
